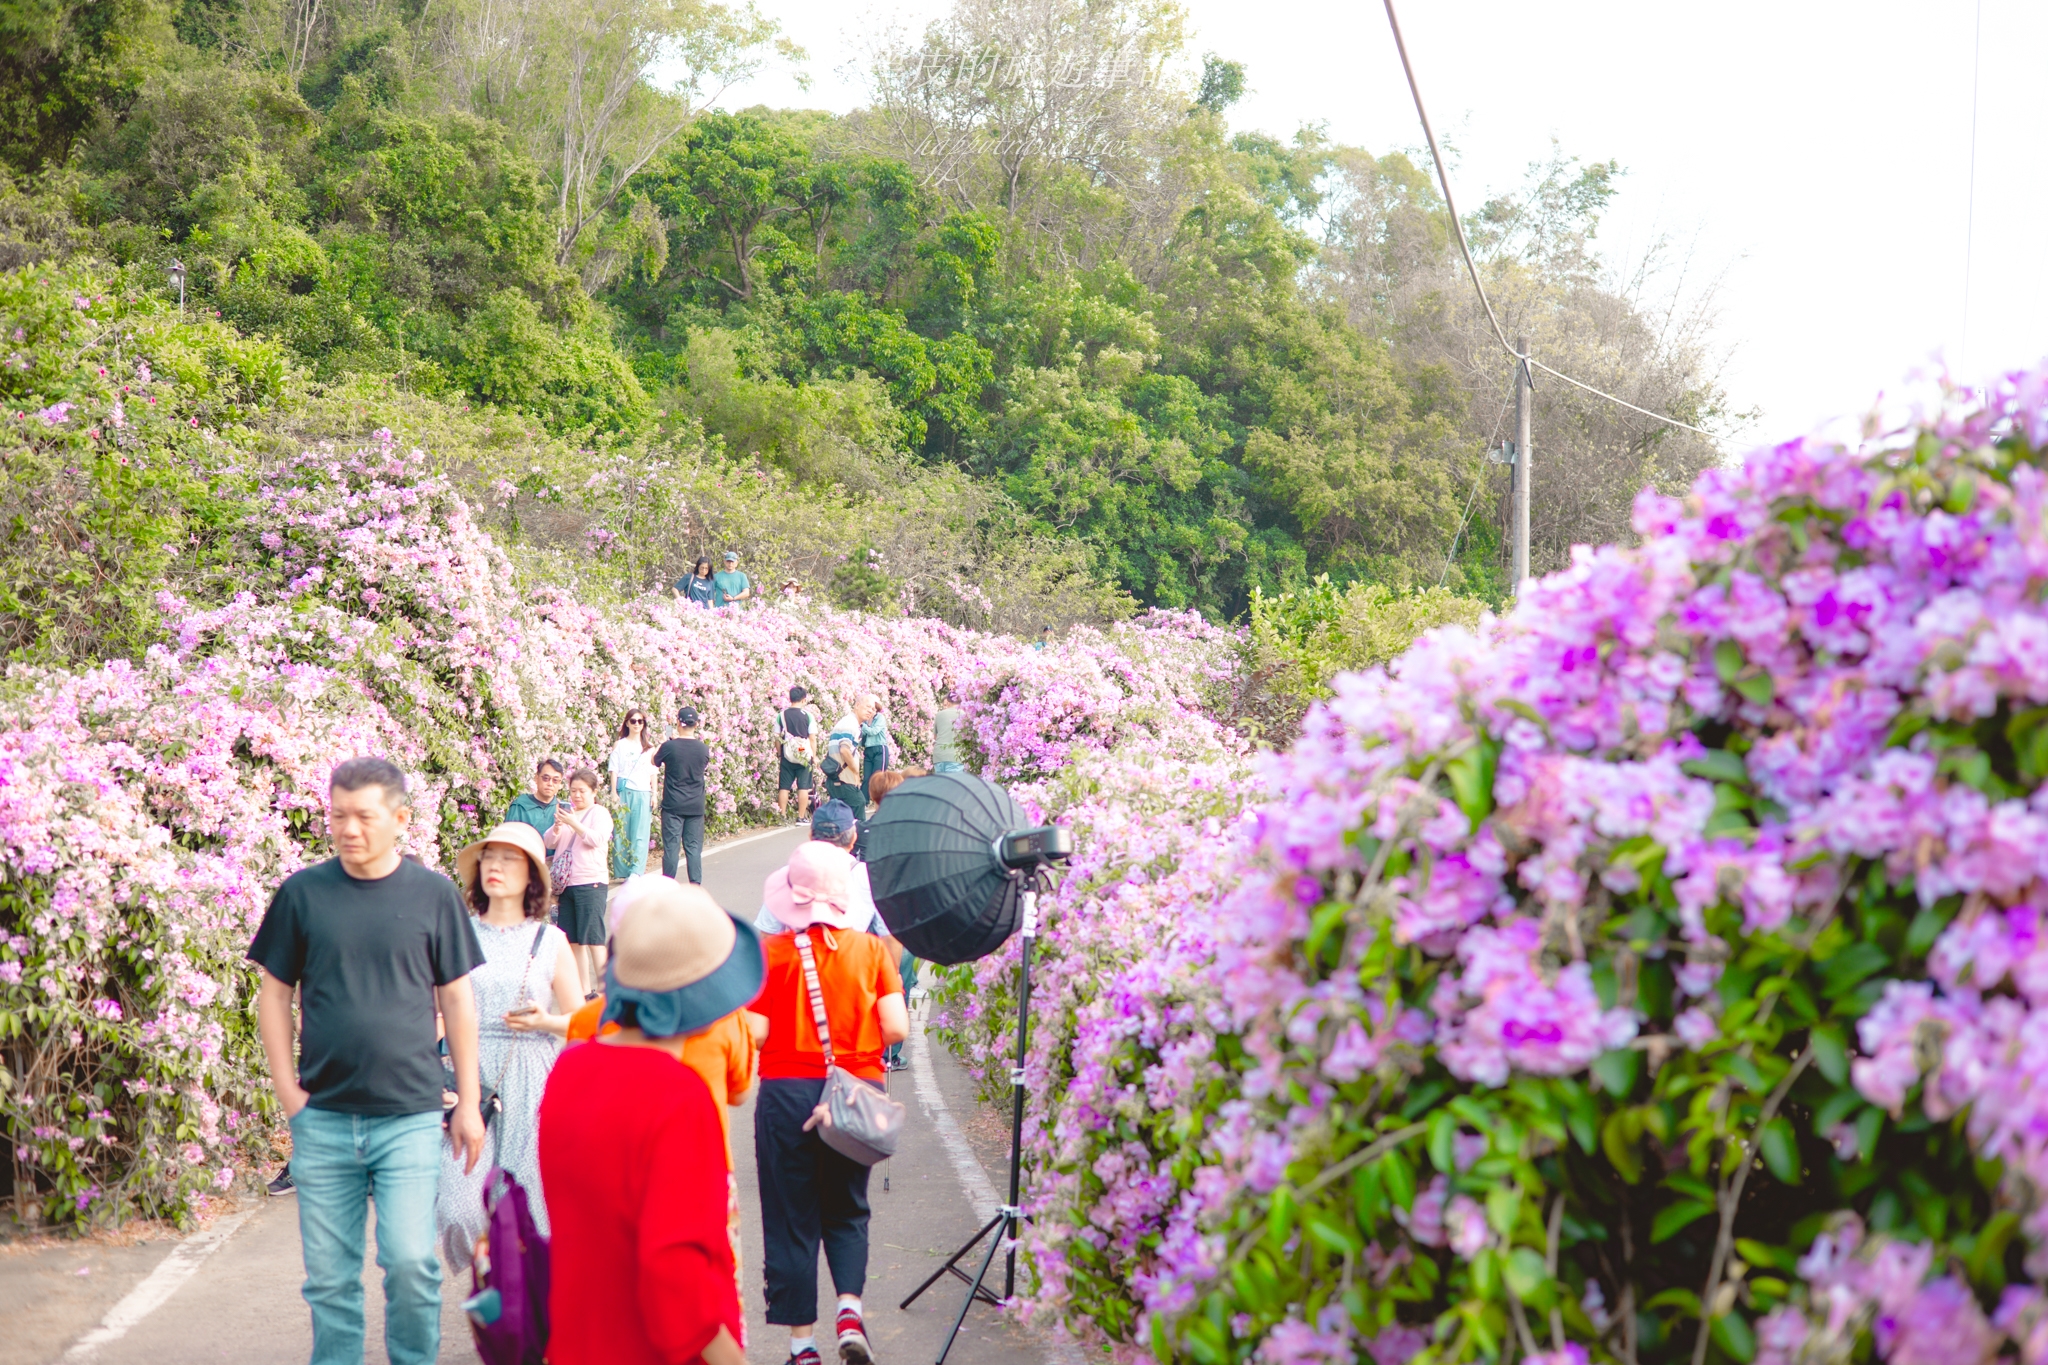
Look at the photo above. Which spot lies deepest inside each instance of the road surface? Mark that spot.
(238, 1298)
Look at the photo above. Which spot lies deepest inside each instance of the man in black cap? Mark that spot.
(683, 762)
(795, 732)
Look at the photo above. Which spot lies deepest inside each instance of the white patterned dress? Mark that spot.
(518, 1065)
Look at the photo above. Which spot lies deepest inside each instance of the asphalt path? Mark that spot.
(239, 1301)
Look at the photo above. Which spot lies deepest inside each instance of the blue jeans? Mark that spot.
(339, 1163)
(629, 843)
(873, 761)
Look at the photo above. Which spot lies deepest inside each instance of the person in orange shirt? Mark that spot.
(811, 1194)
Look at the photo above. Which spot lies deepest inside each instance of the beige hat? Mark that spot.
(514, 833)
(680, 961)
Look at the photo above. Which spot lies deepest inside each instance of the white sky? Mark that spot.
(1813, 154)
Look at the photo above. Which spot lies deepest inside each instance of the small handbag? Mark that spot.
(861, 1122)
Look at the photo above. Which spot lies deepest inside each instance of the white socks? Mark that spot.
(798, 1345)
(850, 1301)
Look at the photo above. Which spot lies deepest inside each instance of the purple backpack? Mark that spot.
(508, 1313)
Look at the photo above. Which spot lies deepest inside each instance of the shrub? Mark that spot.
(148, 810)
(1650, 975)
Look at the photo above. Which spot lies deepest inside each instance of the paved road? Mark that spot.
(242, 1303)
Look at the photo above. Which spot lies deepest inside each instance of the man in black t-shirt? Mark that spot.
(795, 736)
(374, 942)
(683, 761)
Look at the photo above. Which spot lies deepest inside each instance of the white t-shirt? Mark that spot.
(632, 766)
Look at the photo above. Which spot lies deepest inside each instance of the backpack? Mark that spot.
(795, 748)
(508, 1313)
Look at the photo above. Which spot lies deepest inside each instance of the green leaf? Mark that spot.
(1728, 660)
(1399, 1177)
(1734, 1335)
(1780, 1149)
(1280, 1217)
(1526, 1274)
(1503, 1203)
(1443, 1129)
(1686, 1301)
(1673, 1219)
(1762, 1254)
(1850, 966)
(1869, 1126)
(1718, 765)
(1337, 1240)
(1621, 1148)
(1987, 1256)
(1486, 1273)
(1759, 689)
(1831, 1052)
(1471, 775)
(1616, 1071)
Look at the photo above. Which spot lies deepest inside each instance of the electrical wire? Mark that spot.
(1477, 478)
(1458, 228)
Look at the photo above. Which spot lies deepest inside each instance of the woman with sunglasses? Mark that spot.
(698, 586)
(632, 769)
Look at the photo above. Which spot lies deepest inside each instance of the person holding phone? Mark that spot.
(585, 829)
(527, 964)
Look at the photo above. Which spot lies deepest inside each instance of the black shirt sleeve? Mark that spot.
(455, 951)
(280, 944)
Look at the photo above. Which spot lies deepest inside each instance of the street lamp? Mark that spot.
(178, 278)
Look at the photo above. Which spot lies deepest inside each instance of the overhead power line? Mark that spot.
(1458, 227)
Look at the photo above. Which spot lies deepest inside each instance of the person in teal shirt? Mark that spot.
(730, 585)
(537, 807)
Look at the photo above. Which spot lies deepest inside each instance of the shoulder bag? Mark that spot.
(861, 1122)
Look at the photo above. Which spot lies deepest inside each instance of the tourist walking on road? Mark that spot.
(696, 587)
(874, 737)
(796, 729)
(811, 1194)
(374, 942)
(584, 830)
(632, 770)
(537, 807)
(683, 761)
(525, 991)
(630, 1148)
(729, 585)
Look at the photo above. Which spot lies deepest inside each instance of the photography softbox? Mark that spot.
(933, 867)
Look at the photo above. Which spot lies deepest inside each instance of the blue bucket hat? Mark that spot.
(679, 960)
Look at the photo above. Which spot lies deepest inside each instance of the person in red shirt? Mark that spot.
(632, 1150)
(810, 1193)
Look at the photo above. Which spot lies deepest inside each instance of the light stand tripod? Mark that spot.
(1009, 1217)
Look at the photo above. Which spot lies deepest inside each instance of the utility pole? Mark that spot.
(1522, 464)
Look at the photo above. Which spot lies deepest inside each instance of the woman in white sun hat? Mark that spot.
(525, 992)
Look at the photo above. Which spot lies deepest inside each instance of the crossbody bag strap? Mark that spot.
(817, 993)
(498, 1088)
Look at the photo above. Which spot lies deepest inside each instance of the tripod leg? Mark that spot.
(974, 1291)
(952, 1261)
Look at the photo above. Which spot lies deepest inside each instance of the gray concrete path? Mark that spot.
(241, 1303)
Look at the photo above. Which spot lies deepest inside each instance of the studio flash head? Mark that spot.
(1025, 849)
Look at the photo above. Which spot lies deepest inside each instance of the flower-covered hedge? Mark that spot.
(1655, 974)
(147, 811)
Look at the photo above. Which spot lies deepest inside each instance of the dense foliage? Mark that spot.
(1648, 975)
(148, 810)
(1177, 362)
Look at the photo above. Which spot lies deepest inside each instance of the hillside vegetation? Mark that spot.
(1024, 341)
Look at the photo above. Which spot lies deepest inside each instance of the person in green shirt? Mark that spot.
(730, 585)
(537, 807)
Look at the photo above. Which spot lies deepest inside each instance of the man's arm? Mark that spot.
(458, 1016)
(274, 1026)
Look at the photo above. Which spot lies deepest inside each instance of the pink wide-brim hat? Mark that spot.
(815, 888)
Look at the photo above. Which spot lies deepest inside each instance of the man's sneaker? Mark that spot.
(807, 1356)
(853, 1340)
(283, 1183)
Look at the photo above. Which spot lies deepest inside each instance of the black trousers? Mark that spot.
(809, 1194)
(682, 834)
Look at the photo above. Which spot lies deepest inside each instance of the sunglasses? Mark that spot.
(636, 720)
